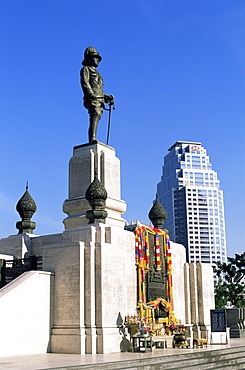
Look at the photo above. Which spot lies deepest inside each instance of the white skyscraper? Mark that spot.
(190, 192)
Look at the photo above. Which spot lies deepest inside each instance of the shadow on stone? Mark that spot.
(125, 343)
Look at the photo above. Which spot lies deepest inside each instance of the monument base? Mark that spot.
(95, 286)
(88, 159)
(67, 340)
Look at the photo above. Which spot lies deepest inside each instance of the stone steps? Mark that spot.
(228, 358)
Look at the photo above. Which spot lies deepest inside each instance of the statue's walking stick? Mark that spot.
(111, 104)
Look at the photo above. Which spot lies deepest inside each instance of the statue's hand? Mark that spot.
(108, 98)
(93, 96)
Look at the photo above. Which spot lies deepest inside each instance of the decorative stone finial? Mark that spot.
(96, 195)
(26, 207)
(157, 214)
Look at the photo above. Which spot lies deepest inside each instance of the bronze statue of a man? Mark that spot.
(92, 85)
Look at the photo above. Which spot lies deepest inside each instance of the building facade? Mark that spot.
(190, 192)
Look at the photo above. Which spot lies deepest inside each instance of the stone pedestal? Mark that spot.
(94, 264)
(85, 160)
(95, 287)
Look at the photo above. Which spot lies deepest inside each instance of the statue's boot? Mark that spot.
(92, 129)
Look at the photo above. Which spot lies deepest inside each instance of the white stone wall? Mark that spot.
(193, 288)
(207, 288)
(25, 314)
(62, 254)
(178, 254)
(119, 287)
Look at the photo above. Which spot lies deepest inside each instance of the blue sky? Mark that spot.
(176, 69)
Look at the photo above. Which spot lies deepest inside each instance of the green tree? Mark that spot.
(230, 286)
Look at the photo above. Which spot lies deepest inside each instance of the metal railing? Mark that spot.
(11, 269)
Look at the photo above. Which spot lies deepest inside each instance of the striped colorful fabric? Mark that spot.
(169, 288)
(157, 253)
(156, 302)
(147, 251)
(143, 290)
(137, 240)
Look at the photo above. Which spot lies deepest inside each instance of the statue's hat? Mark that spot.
(91, 52)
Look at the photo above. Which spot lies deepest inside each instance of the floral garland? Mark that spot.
(142, 254)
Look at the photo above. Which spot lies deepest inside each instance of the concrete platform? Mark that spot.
(66, 361)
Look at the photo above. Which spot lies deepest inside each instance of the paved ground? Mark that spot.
(51, 360)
